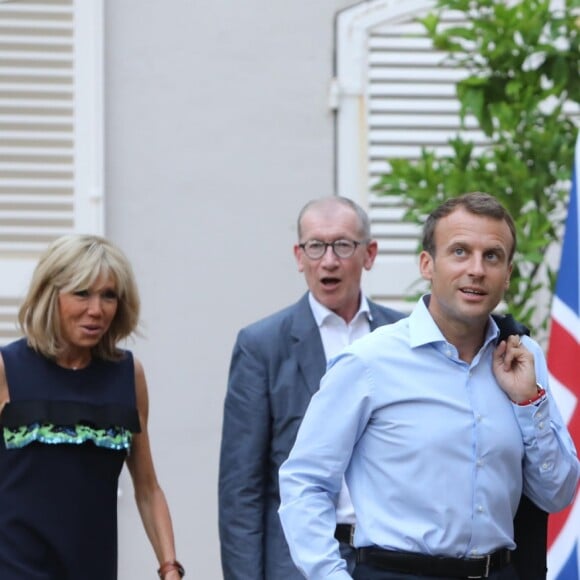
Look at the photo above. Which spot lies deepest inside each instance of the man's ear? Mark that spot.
(509, 275)
(426, 265)
(371, 252)
(299, 255)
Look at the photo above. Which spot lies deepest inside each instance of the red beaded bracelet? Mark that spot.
(168, 567)
(541, 392)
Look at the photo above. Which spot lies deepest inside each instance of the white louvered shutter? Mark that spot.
(50, 134)
(394, 95)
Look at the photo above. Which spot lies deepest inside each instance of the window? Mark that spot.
(393, 95)
(51, 123)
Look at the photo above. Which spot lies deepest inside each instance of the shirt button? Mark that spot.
(480, 509)
(479, 463)
(541, 424)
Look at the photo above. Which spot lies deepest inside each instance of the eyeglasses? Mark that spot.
(315, 249)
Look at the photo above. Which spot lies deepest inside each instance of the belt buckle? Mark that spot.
(487, 566)
(351, 539)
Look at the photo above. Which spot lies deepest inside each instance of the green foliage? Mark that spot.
(523, 61)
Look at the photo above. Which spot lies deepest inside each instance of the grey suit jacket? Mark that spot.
(276, 367)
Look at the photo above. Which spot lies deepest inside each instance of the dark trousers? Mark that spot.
(367, 572)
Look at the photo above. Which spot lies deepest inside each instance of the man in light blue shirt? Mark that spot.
(437, 429)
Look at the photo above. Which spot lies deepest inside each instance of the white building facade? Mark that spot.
(191, 133)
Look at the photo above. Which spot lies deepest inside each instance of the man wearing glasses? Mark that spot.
(276, 367)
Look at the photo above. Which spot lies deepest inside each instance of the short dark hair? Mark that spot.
(476, 203)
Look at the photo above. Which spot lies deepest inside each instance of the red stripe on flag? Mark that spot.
(556, 521)
(563, 360)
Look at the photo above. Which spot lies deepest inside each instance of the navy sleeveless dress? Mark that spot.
(64, 437)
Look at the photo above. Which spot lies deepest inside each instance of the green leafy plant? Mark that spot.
(523, 90)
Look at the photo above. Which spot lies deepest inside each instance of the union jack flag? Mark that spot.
(564, 366)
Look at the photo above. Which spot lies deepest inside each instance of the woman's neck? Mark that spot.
(74, 360)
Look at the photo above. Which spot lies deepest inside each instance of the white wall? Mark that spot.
(217, 132)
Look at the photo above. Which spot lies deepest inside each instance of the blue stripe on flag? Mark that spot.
(568, 276)
(570, 569)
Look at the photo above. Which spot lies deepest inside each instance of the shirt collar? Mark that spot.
(322, 314)
(424, 330)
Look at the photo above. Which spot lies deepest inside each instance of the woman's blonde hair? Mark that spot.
(71, 263)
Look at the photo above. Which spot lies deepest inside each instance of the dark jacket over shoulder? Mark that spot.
(531, 537)
(276, 367)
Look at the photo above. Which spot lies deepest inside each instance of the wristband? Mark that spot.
(168, 567)
(541, 392)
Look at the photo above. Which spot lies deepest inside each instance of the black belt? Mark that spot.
(441, 566)
(344, 533)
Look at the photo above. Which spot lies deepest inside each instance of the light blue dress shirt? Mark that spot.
(434, 453)
(336, 334)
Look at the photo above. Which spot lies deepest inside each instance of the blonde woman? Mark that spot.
(74, 408)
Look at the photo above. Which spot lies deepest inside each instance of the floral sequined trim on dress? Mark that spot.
(110, 438)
